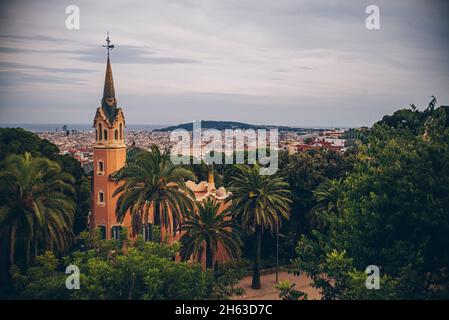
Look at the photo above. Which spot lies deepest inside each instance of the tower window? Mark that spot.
(116, 134)
(100, 197)
(105, 134)
(121, 132)
(100, 166)
(100, 130)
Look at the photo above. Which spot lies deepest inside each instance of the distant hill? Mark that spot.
(222, 125)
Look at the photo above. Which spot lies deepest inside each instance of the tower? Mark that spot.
(109, 156)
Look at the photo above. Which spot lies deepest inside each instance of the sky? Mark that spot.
(285, 62)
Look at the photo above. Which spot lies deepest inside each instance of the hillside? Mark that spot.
(222, 125)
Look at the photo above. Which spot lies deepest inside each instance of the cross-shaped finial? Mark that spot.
(108, 45)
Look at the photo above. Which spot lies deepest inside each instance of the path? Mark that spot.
(269, 292)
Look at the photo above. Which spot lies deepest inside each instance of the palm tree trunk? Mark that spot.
(12, 246)
(28, 252)
(208, 256)
(157, 214)
(256, 266)
(131, 286)
(35, 249)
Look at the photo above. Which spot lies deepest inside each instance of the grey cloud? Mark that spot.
(126, 54)
(16, 50)
(31, 38)
(12, 79)
(284, 70)
(129, 55)
(12, 50)
(21, 66)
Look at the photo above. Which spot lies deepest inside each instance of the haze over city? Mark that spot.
(291, 63)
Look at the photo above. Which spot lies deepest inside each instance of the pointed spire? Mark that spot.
(109, 91)
(109, 102)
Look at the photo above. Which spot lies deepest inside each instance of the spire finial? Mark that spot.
(108, 44)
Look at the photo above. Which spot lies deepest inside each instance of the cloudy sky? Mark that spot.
(290, 62)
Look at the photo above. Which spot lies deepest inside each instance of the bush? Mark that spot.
(108, 270)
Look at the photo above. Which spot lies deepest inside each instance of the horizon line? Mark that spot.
(3, 125)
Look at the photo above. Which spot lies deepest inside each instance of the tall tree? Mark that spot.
(36, 209)
(259, 202)
(151, 180)
(208, 228)
(19, 141)
(394, 214)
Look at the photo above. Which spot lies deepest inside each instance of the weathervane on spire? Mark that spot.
(108, 45)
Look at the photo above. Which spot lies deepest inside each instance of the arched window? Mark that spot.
(121, 132)
(96, 135)
(100, 130)
(105, 134)
(116, 134)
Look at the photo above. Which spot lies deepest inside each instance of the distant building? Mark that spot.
(329, 140)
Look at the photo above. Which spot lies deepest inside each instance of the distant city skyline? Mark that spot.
(47, 127)
(294, 63)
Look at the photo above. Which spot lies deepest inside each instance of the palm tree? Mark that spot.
(151, 180)
(208, 228)
(35, 209)
(326, 195)
(259, 202)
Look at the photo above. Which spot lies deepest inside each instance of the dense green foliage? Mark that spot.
(392, 211)
(19, 141)
(287, 291)
(113, 270)
(36, 210)
(28, 183)
(304, 172)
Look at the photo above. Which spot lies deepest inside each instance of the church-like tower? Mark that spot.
(109, 156)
